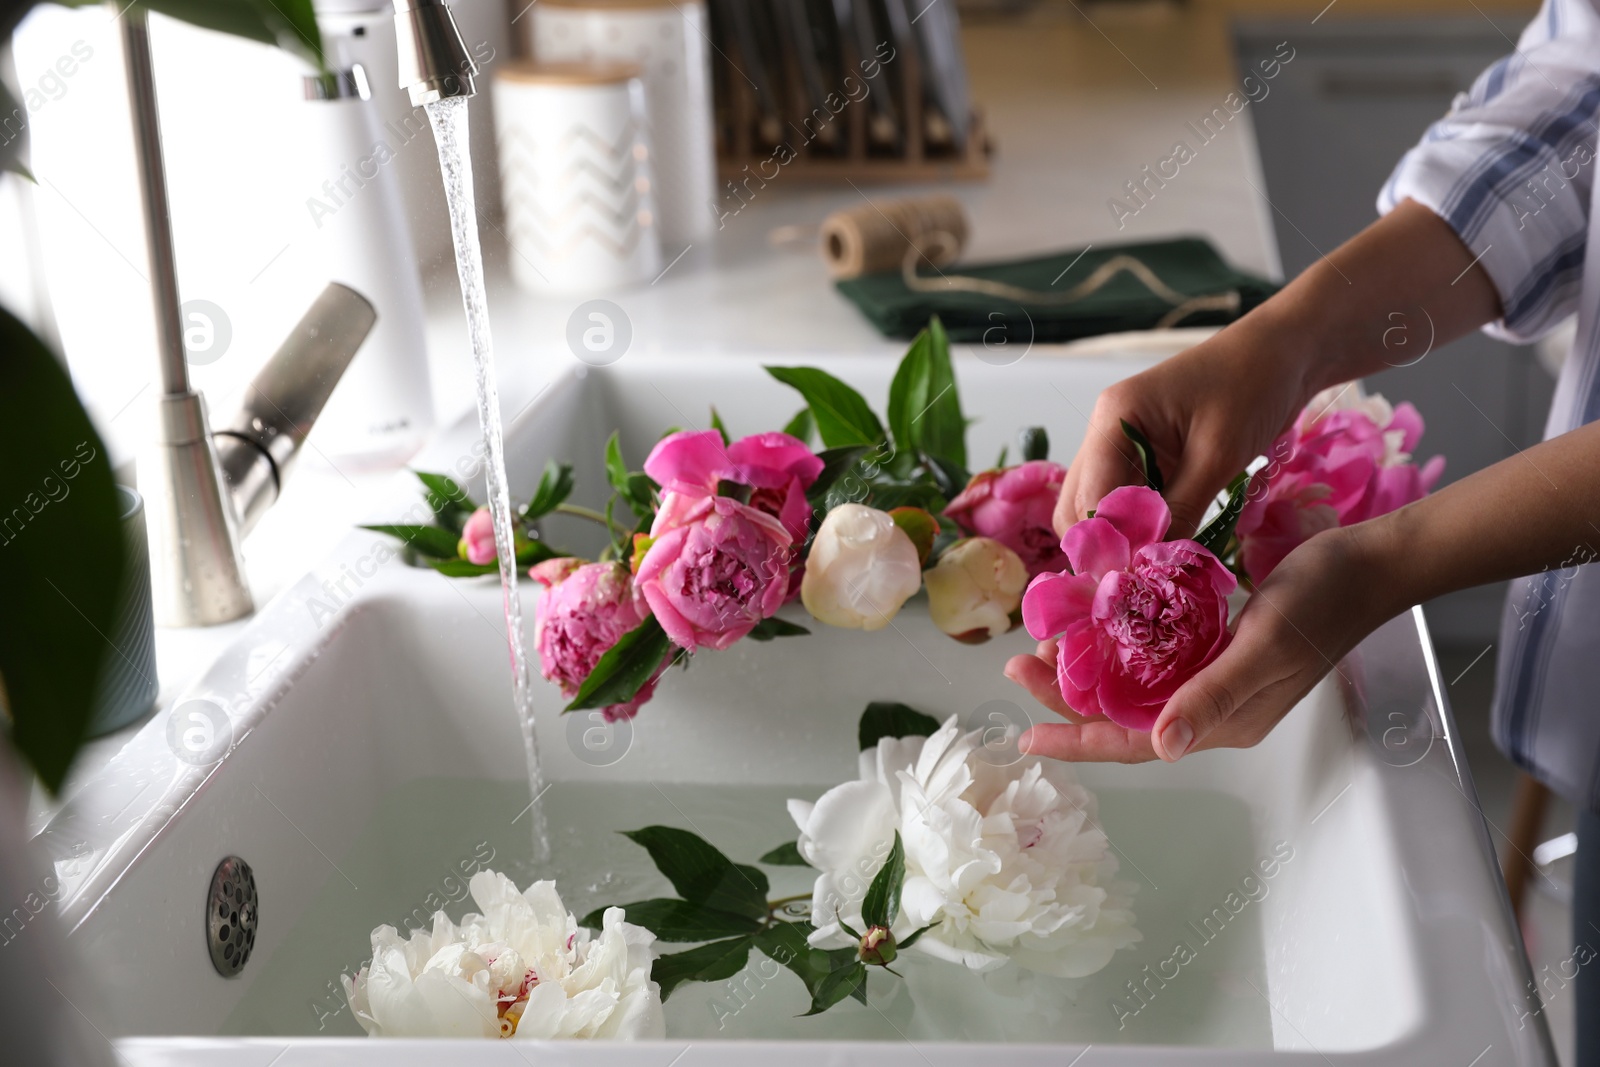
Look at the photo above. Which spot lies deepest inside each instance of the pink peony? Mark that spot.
(1014, 506)
(1346, 459)
(584, 609)
(477, 538)
(1137, 616)
(714, 568)
(777, 467)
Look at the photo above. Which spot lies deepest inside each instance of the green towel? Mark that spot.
(1189, 265)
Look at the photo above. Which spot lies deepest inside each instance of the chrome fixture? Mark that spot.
(256, 446)
(434, 63)
(197, 572)
(231, 916)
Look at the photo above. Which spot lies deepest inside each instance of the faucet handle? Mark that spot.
(256, 447)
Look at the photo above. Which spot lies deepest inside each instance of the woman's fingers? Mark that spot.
(1038, 676)
(1098, 741)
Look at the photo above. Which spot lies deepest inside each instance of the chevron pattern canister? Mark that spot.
(577, 177)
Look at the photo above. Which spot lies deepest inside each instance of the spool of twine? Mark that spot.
(879, 237)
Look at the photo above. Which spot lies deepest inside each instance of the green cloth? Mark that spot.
(1188, 265)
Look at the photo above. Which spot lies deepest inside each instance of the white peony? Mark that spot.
(974, 588)
(1006, 863)
(861, 569)
(524, 967)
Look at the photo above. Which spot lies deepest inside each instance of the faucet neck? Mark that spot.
(434, 61)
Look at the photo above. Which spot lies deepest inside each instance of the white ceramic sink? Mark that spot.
(366, 758)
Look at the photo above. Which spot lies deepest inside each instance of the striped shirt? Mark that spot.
(1511, 168)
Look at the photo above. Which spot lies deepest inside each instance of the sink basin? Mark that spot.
(356, 747)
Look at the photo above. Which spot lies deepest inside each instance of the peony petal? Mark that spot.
(1053, 602)
(1408, 420)
(1095, 547)
(777, 452)
(1137, 512)
(687, 461)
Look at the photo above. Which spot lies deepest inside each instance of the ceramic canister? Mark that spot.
(669, 40)
(575, 171)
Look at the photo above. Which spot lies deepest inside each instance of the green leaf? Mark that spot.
(432, 541)
(616, 469)
(63, 573)
(801, 426)
(914, 936)
(461, 568)
(836, 463)
(924, 405)
(947, 476)
(701, 874)
(786, 944)
(716, 424)
(886, 719)
(1000, 461)
(786, 855)
(1219, 531)
(633, 486)
(846, 981)
(841, 414)
(1033, 442)
(767, 629)
(624, 667)
(450, 503)
(554, 488)
(1147, 456)
(708, 963)
(881, 905)
(679, 920)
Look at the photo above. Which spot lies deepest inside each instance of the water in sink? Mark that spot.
(1186, 849)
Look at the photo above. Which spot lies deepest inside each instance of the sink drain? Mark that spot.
(231, 916)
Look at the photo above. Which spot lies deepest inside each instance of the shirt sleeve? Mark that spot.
(1511, 167)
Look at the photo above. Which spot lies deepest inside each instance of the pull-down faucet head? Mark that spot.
(434, 63)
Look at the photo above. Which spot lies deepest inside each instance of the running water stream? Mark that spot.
(449, 119)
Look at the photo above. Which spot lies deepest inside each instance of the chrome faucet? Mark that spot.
(434, 64)
(203, 491)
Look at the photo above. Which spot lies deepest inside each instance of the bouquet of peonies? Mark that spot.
(1135, 616)
(715, 534)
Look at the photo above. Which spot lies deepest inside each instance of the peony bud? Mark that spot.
(477, 538)
(861, 569)
(974, 589)
(877, 947)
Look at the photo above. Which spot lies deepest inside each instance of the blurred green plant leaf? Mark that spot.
(433, 541)
(555, 485)
(767, 629)
(64, 574)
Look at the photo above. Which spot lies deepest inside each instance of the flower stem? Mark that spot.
(582, 513)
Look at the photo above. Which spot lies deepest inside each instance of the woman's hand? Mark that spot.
(1207, 411)
(1314, 608)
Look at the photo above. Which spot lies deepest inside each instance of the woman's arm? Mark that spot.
(1212, 409)
(1536, 511)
